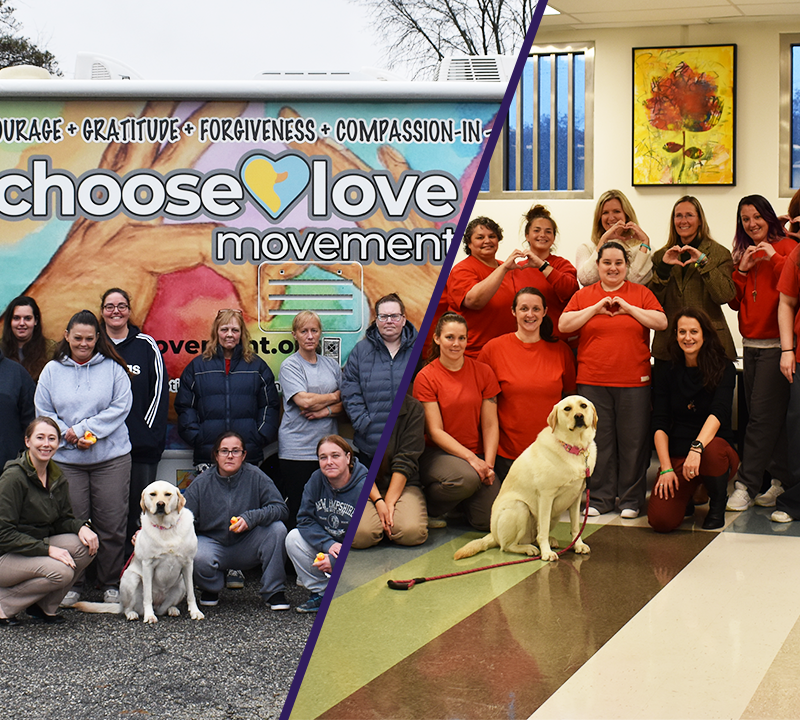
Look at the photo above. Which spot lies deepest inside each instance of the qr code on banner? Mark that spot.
(332, 348)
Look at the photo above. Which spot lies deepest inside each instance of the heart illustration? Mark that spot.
(275, 183)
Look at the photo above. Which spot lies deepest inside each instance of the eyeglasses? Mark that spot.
(394, 318)
(227, 310)
(231, 453)
(121, 307)
(686, 216)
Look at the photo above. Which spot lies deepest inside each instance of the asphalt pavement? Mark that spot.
(237, 663)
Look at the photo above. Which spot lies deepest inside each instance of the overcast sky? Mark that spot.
(198, 39)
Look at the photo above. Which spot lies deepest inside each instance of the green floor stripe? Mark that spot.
(367, 626)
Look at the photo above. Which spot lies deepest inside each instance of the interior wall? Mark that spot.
(757, 136)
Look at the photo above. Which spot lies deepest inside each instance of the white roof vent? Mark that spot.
(482, 68)
(89, 66)
(24, 72)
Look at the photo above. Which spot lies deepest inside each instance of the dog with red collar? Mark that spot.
(547, 479)
(159, 574)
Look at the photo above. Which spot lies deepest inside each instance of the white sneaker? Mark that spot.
(70, 599)
(111, 595)
(767, 499)
(629, 513)
(593, 512)
(781, 517)
(740, 499)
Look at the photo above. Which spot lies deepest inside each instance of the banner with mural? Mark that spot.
(268, 207)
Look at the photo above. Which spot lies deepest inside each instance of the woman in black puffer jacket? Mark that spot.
(228, 387)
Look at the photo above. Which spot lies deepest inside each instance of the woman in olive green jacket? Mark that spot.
(43, 546)
(692, 270)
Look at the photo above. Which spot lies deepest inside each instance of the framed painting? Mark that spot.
(684, 113)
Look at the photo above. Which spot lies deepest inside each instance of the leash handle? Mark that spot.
(404, 584)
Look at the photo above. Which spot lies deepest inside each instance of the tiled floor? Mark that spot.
(694, 624)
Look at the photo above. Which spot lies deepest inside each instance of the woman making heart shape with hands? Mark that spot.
(692, 270)
(614, 317)
(615, 220)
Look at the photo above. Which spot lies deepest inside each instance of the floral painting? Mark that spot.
(683, 115)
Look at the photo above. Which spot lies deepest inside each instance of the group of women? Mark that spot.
(480, 416)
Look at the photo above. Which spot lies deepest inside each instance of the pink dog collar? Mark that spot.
(577, 450)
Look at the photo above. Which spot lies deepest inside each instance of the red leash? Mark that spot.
(408, 584)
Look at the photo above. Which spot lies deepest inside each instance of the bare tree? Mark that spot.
(16, 50)
(422, 32)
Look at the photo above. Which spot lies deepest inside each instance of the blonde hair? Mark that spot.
(703, 231)
(223, 318)
(627, 208)
(303, 318)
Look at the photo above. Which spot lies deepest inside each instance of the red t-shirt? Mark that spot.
(558, 287)
(614, 351)
(459, 395)
(789, 284)
(495, 318)
(533, 377)
(758, 318)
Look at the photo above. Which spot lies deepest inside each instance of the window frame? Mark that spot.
(498, 164)
(785, 189)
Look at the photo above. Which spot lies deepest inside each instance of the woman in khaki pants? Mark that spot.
(43, 546)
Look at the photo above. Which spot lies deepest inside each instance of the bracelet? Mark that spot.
(791, 351)
(697, 450)
(645, 245)
(330, 414)
(664, 472)
(380, 498)
(701, 261)
(743, 272)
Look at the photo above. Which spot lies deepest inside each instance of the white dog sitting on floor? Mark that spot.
(545, 480)
(159, 575)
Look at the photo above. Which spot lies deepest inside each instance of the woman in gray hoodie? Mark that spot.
(87, 391)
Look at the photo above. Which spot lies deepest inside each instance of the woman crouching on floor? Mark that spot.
(692, 400)
(43, 546)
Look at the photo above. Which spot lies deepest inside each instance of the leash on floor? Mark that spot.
(408, 584)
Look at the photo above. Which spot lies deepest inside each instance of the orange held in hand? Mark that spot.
(90, 437)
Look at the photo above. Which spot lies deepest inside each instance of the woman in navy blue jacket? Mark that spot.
(228, 387)
(147, 420)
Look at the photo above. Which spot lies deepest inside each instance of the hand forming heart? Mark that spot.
(673, 255)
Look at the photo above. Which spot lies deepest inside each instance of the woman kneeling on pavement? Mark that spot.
(329, 499)
(239, 517)
(692, 398)
(43, 546)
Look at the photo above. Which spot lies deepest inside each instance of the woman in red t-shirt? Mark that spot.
(787, 505)
(535, 370)
(480, 288)
(614, 317)
(458, 395)
(760, 249)
(554, 276)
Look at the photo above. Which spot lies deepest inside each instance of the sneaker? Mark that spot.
(593, 512)
(767, 499)
(740, 499)
(781, 517)
(435, 523)
(234, 580)
(208, 598)
(111, 595)
(629, 513)
(278, 601)
(70, 599)
(311, 605)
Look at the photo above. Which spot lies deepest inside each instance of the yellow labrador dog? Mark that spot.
(159, 575)
(545, 480)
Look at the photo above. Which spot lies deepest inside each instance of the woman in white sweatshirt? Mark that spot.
(87, 391)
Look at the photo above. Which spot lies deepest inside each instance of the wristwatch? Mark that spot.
(544, 266)
(697, 446)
